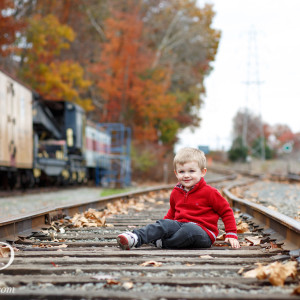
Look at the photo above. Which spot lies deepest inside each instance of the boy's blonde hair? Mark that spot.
(187, 154)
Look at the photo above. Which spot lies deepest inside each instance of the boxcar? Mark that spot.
(16, 144)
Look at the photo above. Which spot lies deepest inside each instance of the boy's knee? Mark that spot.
(168, 225)
(190, 226)
(191, 229)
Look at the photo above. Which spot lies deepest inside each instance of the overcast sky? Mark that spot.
(274, 62)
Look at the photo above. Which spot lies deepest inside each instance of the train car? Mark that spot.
(44, 142)
(97, 152)
(59, 142)
(16, 144)
(70, 148)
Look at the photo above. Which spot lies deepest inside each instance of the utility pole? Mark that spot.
(252, 100)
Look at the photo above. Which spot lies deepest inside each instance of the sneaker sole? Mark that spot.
(123, 242)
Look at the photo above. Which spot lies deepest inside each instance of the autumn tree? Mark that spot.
(134, 93)
(181, 35)
(10, 26)
(42, 67)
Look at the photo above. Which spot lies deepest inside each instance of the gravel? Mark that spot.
(282, 197)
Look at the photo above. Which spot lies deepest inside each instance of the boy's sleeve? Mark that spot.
(222, 207)
(171, 212)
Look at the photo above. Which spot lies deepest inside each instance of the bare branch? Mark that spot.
(96, 25)
(164, 41)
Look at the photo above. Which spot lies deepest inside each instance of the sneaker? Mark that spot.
(127, 240)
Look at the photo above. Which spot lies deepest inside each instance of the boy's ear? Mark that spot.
(175, 172)
(203, 171)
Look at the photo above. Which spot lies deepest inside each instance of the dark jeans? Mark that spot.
(174, 235)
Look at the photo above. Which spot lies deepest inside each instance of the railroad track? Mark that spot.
(59, 261)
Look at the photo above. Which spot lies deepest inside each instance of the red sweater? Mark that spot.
(203, 205)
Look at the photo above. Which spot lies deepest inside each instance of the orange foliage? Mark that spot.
(9, 26)
(61, 9)
(133, 94)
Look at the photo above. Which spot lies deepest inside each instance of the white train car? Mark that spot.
(16, 143)
(97, 149)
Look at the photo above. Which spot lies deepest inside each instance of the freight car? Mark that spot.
(46, 141)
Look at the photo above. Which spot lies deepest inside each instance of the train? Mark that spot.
(44, 142)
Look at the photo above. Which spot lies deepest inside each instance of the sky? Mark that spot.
(260, 44)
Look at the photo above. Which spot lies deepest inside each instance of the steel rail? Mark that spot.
(12, 228)
(286, 227)
(85, 262)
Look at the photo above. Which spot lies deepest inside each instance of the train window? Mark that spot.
(70, 141)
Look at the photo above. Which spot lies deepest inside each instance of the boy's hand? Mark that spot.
(233, 242)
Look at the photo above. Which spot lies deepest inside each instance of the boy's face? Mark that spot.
(189, 174)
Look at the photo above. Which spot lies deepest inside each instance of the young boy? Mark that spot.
(195, 208)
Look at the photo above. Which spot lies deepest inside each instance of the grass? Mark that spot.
(109, 192)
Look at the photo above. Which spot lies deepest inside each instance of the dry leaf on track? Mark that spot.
(296, 290)
(276, 272)
(253, 240)
(221, 237)
(242, 227)
(4, 251)
(151, 263)
(206, 257)
(127, 285)
(112, 282)
(90, 218)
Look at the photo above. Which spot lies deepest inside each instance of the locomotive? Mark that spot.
(47, 141)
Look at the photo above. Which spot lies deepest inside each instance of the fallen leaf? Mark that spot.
(127, 285)
(206, 256)
(221, 237)
(241, 270)
(279, 272)
(4, 251)
(112, 282)
(276, 272)
(253, 240)
(242, 228)
(62, 246)
(296, 290)
(274, 245)
(259, 272)
(151, 263)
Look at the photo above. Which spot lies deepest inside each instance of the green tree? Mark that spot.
(256, 146)
(238, 152)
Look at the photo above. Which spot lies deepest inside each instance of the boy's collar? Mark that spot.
(179, 185)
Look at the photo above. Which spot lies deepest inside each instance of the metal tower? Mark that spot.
(253, 98)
